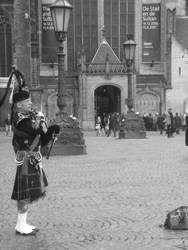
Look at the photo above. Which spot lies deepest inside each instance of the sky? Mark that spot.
(178, 4)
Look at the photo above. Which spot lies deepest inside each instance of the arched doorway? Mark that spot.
(107, 100)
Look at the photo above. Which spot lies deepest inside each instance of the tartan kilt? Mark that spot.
(29, 187)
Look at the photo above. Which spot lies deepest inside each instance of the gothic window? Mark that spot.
(5, 45)
(118, 22)
(83, 30)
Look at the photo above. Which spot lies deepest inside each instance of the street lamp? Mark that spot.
(60, 12)
(131, 124)
(129, 52)
(70, 139)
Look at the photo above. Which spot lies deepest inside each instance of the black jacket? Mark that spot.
(25, 130)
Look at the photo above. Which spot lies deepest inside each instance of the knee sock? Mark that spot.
(21, 225)
(22, 218)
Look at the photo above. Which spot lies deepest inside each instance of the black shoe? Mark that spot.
(24, 234)
(36, 229)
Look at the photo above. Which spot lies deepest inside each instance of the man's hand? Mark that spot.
(43, 126)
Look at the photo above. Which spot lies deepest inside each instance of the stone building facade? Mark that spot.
(177, 96)
(95, 72)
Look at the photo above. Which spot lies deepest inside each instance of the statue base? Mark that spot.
(65, 149)
(70, 140)
(132, 127)
(132, 135)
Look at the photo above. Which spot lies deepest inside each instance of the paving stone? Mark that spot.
(115, 197)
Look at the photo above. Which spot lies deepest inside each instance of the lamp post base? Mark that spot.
(70, 140)
(132, 127)
(69, 149)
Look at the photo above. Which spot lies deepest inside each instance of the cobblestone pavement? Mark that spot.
(113, 198)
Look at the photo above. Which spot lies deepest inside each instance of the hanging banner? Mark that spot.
(151, 32)
(49, 42)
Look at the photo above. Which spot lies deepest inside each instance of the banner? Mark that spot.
(151, 32)
(49, 42)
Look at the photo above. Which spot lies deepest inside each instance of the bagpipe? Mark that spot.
(54, 138)
(39, 117)
(20, 92)
(19, 83)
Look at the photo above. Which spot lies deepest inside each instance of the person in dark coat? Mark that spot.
(177, 123)
(170, 123)
(150, 122)
(186, 130)
(161, 123)
(30, 132)
(113, 124)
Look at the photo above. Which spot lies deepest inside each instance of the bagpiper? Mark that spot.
(30, 132)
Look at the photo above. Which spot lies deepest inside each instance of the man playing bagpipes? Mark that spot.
(30, 132)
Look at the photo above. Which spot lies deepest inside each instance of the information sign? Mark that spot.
(151, 32)
(49, 42)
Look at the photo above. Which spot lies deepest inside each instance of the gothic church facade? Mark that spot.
(95, 73)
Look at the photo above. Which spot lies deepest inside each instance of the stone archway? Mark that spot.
(107, 99)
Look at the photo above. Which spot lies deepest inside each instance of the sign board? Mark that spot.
(49, 42)
(151, 32)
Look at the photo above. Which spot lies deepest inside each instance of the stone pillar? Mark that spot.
(36, 96)
(35, 62)
(21, 38)
(100, 20)
(34, 43)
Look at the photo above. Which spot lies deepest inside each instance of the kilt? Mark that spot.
(30, 186)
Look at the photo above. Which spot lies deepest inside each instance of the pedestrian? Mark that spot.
(115, 123)
(98, 125)
(186, 129)
(172, 121)
(8, 127)
(103, 122)
(184, 121)
(146, 119)
(169, 121)
(177, 123)
(150, 122)
(111, 124)
(30, 132)
(106, 124)
(155, 118)
(161, 123)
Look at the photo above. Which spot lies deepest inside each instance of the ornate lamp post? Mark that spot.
(129, 52)
(60, 11)
(70, 140)
(132, 125)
